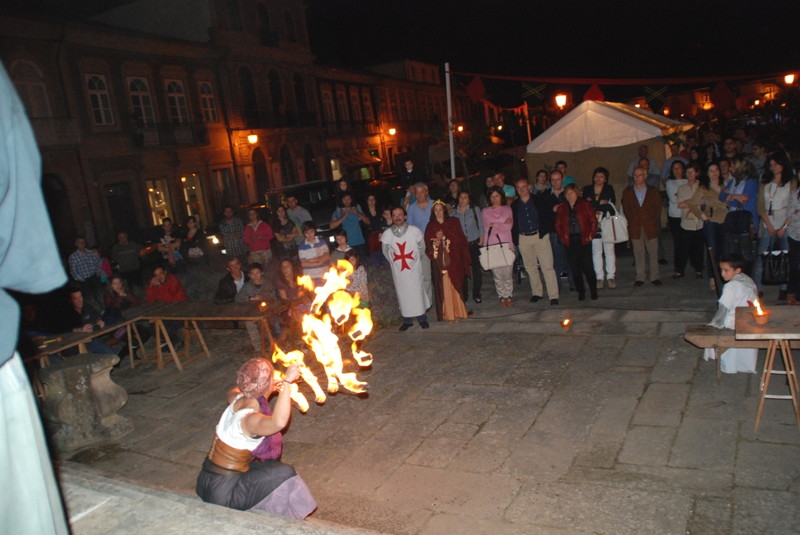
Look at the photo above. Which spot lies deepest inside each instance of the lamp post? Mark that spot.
(561, 101)
(384, 153)
(789, 78)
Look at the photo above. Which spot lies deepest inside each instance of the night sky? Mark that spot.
(617, 38)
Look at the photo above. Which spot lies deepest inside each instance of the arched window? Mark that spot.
(291, 34)
(300, 93)
(249, 103)
(275, 93)
(99, 100)
(288, 169)
(355, 105)
(261, 173)
(265, 35)
(32, 88)
(311, 164)
(141, 101)
(341, 105)
(366, 100)
(209, 103)
(328, 110)
(176, 102)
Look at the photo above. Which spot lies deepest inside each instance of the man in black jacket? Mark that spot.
(231, 283)
(533, 221)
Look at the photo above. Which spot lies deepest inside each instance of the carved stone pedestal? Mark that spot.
(82, 401)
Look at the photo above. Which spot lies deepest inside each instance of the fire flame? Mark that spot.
(321, 339)
(759, 311)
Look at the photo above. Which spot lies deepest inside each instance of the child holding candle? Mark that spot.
(737, 291)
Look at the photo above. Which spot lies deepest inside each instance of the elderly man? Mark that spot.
(642, 206)
(403, 246)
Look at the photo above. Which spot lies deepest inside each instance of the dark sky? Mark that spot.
(616, 38)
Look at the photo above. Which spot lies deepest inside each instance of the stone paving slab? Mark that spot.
(503, 423)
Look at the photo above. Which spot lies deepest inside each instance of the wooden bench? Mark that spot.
(708, 337)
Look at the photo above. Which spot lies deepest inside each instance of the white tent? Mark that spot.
(605, 134)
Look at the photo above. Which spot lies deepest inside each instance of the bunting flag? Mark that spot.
(655, 95)
(594, 93)
(476, 90)
(530, 91)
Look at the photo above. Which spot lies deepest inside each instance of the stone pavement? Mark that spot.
(503, 423)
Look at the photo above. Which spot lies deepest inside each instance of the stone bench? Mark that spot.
(708, 337)
(81, 402)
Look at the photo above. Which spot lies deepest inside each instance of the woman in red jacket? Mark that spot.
(576, 225)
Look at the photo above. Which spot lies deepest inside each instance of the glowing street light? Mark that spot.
(561, 100)
(460, 128)
(252, 138)
(789, 79)
(392, 131)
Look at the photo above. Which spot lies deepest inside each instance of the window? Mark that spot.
(291, 34)
(99, 101)
(288, 169)
(275, 92)
(141, 101)
(208, 102)
(341, 105)
(300, 93)
(234, 18)
(366, 100)
(265, 35)
(249, 102)
(32, 88)
(355, 105)
(176, 102)
(328, 112)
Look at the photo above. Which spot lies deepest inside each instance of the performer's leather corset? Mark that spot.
(228, 457)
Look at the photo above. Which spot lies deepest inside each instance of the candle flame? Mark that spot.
(759, 311)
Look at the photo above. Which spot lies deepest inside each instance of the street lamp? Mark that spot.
(252, 138)
(561, 100)
(789, 78)
(392, 131)
(460, 128)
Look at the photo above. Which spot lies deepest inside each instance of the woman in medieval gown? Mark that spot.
(447, 247)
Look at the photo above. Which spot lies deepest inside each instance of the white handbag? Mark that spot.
(496, 255)
(614, 227)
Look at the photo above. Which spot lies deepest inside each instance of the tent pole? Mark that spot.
(450, 120)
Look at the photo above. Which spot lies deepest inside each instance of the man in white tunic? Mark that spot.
(404, 246)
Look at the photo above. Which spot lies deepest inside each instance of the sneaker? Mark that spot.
(612, 284)
(600, 284)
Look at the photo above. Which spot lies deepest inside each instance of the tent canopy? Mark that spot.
(603, 124)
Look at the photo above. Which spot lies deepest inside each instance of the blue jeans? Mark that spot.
(715, 239)
(768, 243)
(420, 319)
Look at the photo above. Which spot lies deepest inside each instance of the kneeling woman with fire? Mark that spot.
(242, 470)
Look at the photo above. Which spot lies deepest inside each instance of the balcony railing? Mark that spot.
(158, 135)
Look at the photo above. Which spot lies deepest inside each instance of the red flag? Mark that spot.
(594, 93)
(476, 91)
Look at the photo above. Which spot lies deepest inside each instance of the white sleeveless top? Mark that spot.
(229, 428)
(778, 196)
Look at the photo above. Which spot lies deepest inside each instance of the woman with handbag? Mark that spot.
(601, 195)
(447, 248)
(741, 194)
(773, 209)
(690, 246)
(498, 221)
(707, 207)
(576, 226)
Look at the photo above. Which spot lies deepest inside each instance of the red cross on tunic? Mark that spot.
(403, 256)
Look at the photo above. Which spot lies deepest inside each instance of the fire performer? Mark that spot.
(230, 477)
(403, 245)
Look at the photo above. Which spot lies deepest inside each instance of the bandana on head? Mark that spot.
(254, 377)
